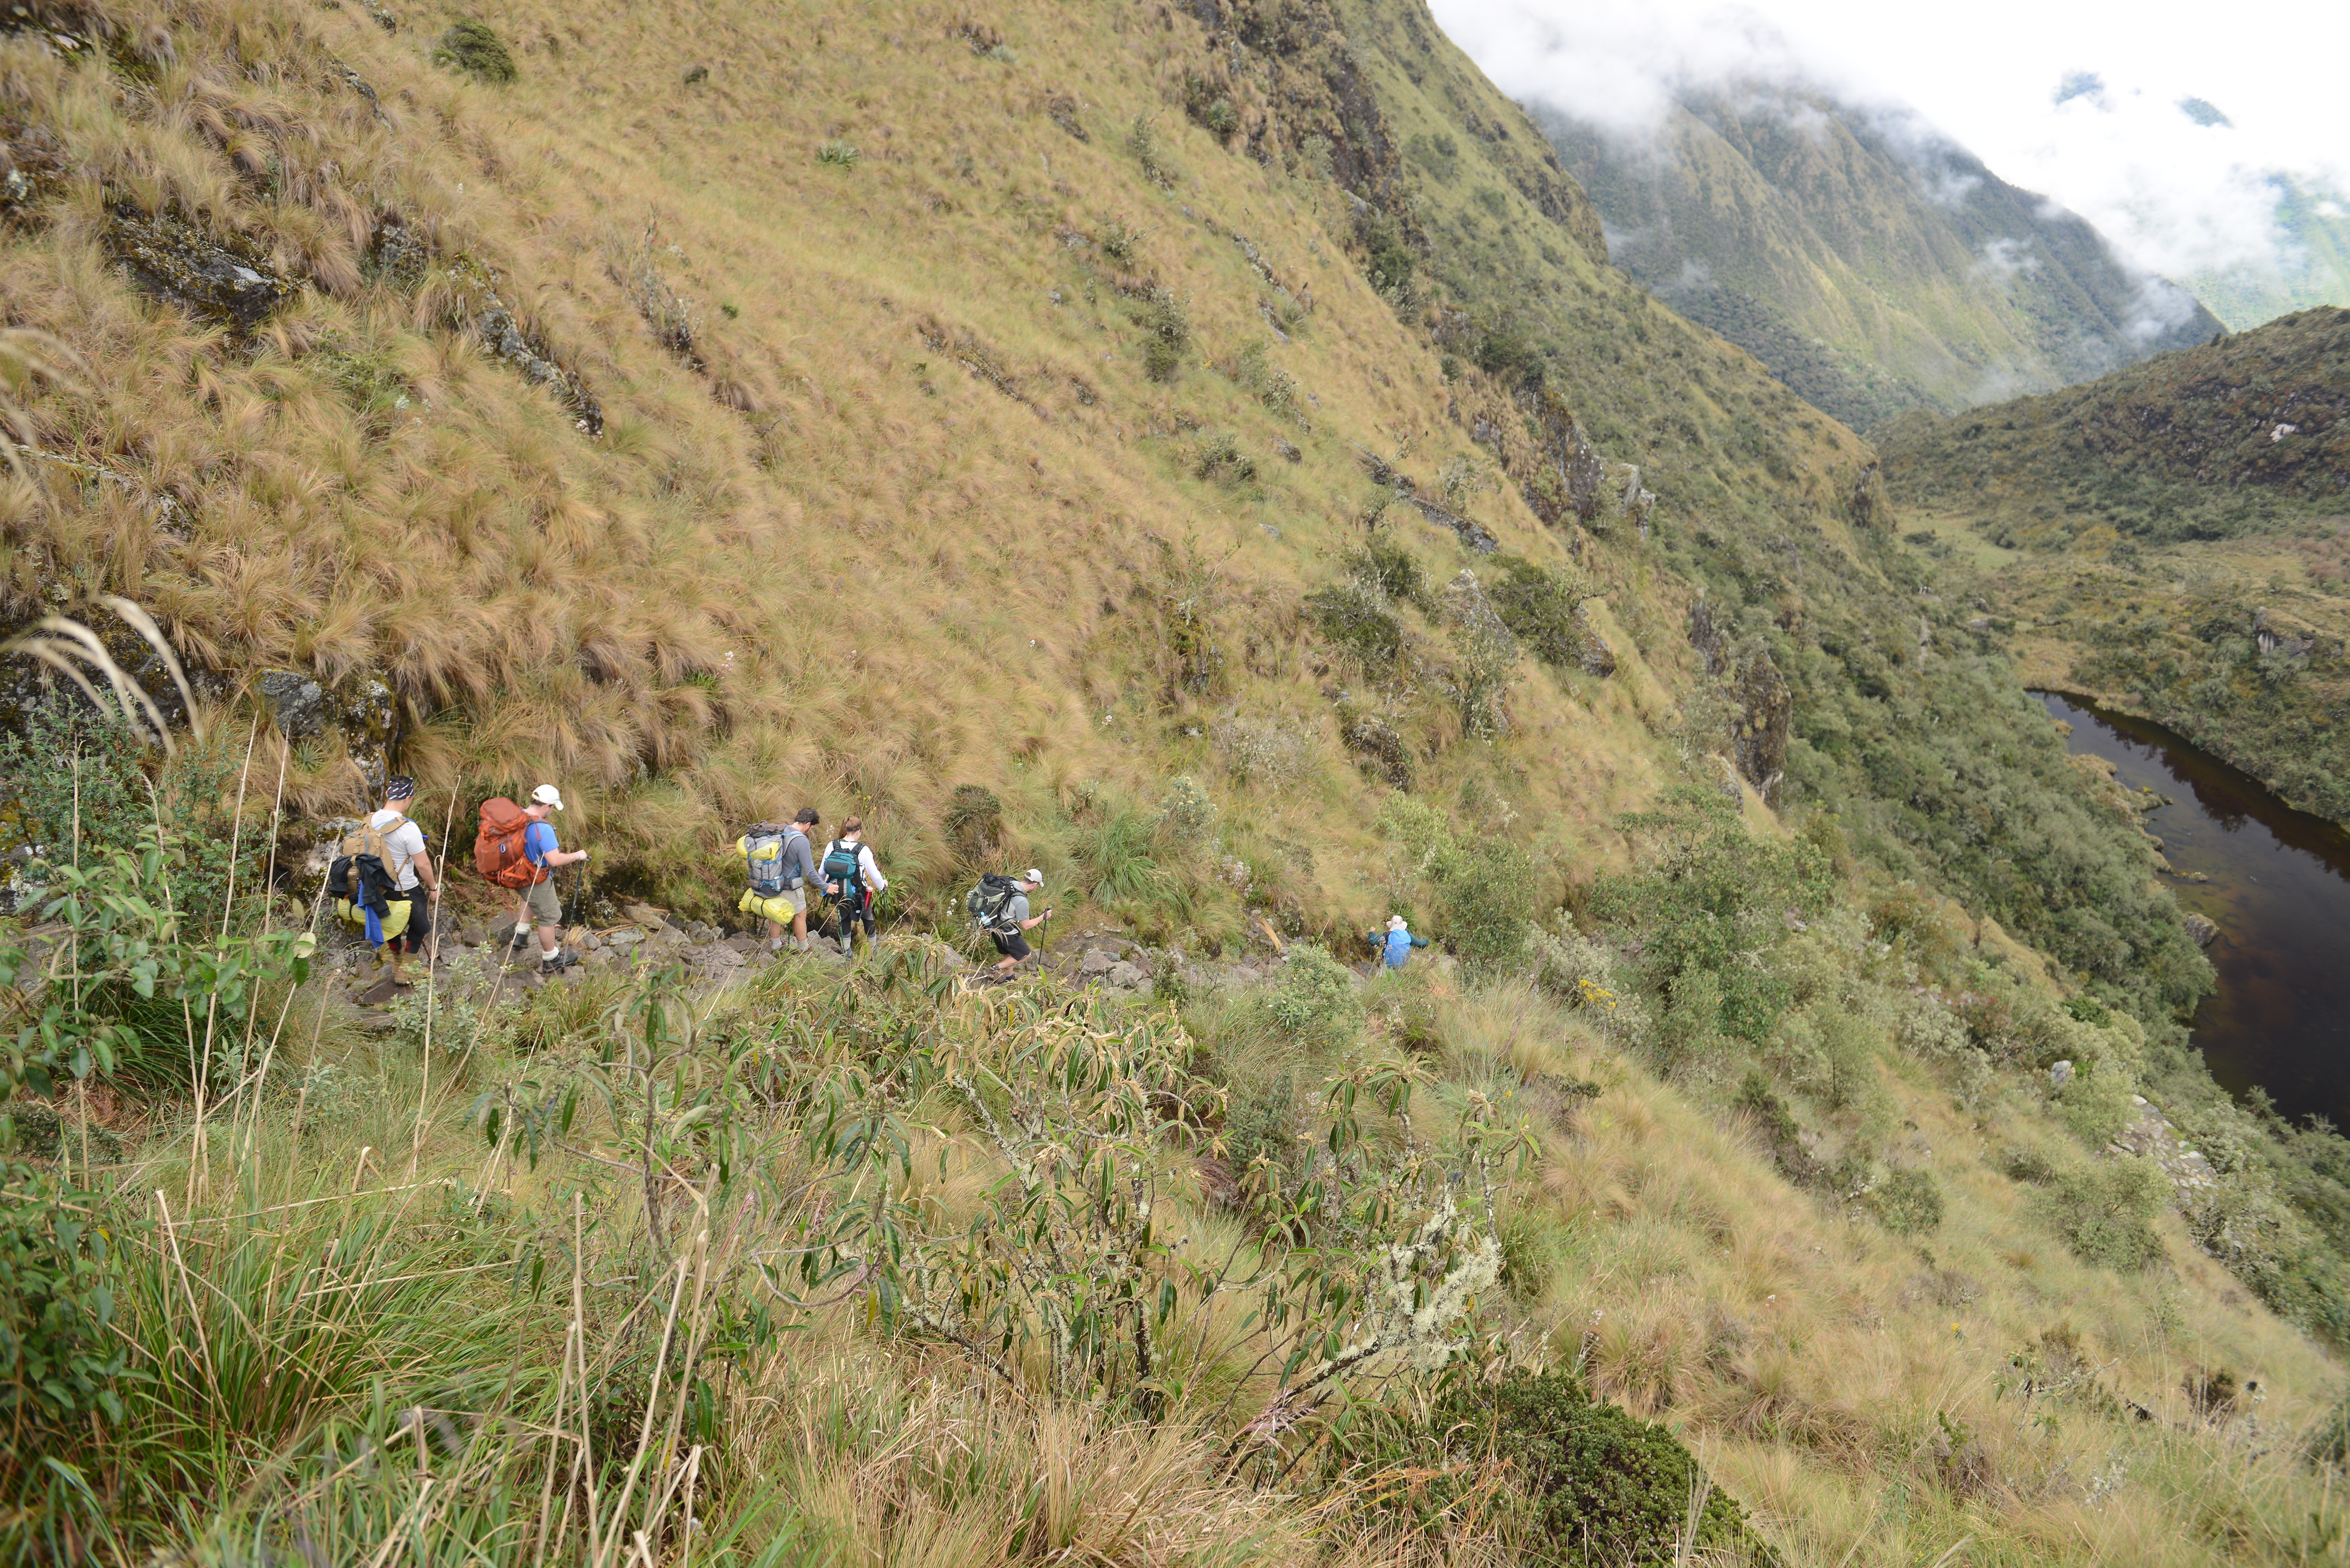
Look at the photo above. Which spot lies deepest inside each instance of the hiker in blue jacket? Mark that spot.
(1394, 946)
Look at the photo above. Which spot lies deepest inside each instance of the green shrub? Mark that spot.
(1186, 825)
(838, 153)
(2104, 1211)
(61, 1355)
(1357, 620)
(1538, 604)
(2028, 1166)
(1168, 329)
(1387, 563)
(1316, 1000)
(2096, 1103)
(1485, 657)
(1142, 141)
(1485, 890)
(1119, 241)
(1261, 1124)
(1390, 261)
(473, 48)
(1219, 457)
(1707, 895)
(2329, 1440)
(1906, 1202)
(1582, 1482)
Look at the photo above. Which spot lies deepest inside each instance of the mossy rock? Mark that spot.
(1587, 1483)
(473, 48)
(235, 288)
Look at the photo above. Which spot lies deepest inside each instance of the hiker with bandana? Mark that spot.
(409, 864)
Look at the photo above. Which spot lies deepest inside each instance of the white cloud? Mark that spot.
(2079, 103)
(2006, 258)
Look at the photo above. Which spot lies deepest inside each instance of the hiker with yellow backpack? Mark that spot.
(779, 864)
(378, 871)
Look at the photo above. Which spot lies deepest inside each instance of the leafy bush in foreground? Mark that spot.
(1580, 1482)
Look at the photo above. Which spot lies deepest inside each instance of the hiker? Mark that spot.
(539, 899)
(1394, 946)
(1000, 906)
(410, 864)
(852, 881)
(780, 865)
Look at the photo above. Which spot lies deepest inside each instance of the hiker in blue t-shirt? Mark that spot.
(1395, 944)
(539, 903)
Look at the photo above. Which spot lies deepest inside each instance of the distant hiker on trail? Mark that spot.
(1395, 944)
(517, 848)
(780, 866)
(852, 881)
(999, 905)
(410, 864)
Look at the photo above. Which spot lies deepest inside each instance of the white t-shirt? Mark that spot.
(401, 846)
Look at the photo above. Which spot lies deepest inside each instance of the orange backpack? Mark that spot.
(498, 846)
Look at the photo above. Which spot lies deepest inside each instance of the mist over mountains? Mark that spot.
(2209, 164)
(1875, 265)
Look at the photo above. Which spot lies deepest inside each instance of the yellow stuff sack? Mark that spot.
(394, 923)
(778, 909)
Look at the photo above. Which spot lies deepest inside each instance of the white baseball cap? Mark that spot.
(1396, 923)
(1033, 875)
(547, 795)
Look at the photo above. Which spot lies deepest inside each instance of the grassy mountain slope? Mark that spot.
(2179, 527)
(979, 423)
(1873, 266)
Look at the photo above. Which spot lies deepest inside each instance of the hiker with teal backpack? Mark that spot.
(852, 881)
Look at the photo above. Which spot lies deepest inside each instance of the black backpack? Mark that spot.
(362, 879)
(844, 863)
(989, 901)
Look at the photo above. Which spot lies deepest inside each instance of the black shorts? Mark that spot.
(1010, 944)
(419, 920)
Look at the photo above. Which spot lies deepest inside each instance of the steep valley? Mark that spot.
(1200, 451)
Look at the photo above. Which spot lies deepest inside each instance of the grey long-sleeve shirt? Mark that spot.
(799, 860)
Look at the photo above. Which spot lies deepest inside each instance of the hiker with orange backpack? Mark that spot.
(517, 848)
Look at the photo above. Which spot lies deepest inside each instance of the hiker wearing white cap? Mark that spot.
(539, 903)
(1395, 944)
(1013, 921)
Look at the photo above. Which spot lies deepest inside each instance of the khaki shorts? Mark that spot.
(540, 898)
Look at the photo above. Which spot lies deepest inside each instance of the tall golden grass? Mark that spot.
(890, 527)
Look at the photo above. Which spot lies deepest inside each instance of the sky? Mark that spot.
(2175, 195)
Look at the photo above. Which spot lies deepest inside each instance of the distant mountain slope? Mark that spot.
(1874, 266)
(2314, 269)
(2218, 440)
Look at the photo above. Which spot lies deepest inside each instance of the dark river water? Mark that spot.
(2279, 889)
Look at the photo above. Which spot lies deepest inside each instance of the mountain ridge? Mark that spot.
(1874, 264)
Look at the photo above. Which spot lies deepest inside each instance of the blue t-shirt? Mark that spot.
(538, 843)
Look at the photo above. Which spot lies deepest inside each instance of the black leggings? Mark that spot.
(851, 911)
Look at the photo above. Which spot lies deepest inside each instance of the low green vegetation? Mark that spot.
(473, 47)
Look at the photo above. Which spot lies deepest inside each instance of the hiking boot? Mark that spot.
(563, 960)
